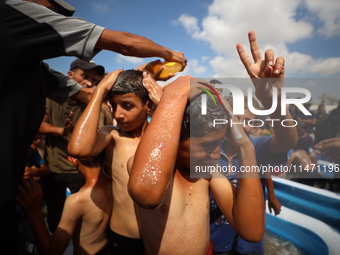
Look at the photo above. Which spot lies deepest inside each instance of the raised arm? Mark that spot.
(155, 158)
(30, 202)
(86, 141)
(266, 74)
(244, 207)
(138, 46)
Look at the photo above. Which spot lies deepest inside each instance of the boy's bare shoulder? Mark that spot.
(75, 204)
(110, 129)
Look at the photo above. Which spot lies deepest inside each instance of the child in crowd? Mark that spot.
(270, 151)
(36, 166)
(85, 215)
(131, 106)
(172, 207)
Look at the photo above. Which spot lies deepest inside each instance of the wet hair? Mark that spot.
(200, 124)
(130, 81)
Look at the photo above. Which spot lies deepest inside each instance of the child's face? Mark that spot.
(201, 149)
(300, 131)
(129, 111)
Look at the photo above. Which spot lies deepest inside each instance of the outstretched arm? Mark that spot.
(138, 46)
(85, 140)
(155, 158)
(267, 74)
(330, 148)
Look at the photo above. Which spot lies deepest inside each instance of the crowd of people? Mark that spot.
(124, 147)
(316, 131)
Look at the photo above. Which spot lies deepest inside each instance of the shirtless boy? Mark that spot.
(85, 216)
(131, 105)
(173, 209)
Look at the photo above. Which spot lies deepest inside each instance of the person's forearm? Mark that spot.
(249, 203)
(285, 137)
(131, 45)
(157, 151)
(41, 234)
(47, 129)
(270, 187)
(84, 135)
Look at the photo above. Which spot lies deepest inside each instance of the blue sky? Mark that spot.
(305, 32)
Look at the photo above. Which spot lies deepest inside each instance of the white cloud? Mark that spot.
(190, 23)
(133, 60)
(228, 22)
(227, 67)
(196, 68)
(327, 66)
(328, 11)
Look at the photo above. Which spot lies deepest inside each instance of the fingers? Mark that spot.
(70, 116)
(269, 57)
(328, 143)
(254, 47)
(156, 76)
(155, 91)
(110, 79)
(279, 66)
(246, 61)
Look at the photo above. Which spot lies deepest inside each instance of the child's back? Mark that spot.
(91, 206)
(85, 217)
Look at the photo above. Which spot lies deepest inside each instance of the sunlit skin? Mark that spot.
(172, 207)
(131, 116)
(129, 111)
(119, 142)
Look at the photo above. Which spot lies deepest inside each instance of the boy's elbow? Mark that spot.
(77, 151)
(143, 196)
(73, 150)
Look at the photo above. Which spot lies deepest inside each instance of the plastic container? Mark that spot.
(169, 67)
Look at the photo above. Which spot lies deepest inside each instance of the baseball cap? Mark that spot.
(79, 63)
(63, 7)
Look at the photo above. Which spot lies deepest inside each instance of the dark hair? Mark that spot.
(130, 81)
(201, 124)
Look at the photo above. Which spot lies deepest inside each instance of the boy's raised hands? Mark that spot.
(107, 82)
(262, 68)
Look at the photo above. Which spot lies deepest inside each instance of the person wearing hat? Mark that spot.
(32, 31)
(58, 125)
